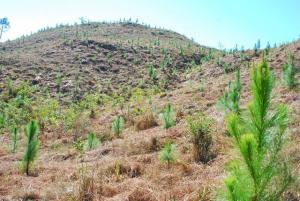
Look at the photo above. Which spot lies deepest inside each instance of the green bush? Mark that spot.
(289, 73)
(259, 173)
(117, 125)
(231, 98)
(199, 128)
(168, 116)
(167, 155)
(32, 143)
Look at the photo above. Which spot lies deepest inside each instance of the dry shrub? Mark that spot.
(86, 189)
(108, 191)
(140, 194)
(131, 170)
(179, 114)
(146, 121)
(80, 126)
(154, 144)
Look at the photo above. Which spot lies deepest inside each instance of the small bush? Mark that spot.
(167, 117)
(117, 126)
(167, 155)
(92, 141)
(200, 129)
(31, 132)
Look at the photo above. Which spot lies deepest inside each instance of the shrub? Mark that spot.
(201, 132)
(167, 155)
(146, 121)
(92, 141)
(231, 98)
(289, 72)
(14, 139)
(117, 125)
(31, 132)
(167, 116)
(78, 144)
(260, 174)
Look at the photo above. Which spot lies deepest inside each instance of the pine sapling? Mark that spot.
(167, 155)
(14, 139)
(117, 125)
(92, 141)
(230, 101)
(31, 132)
(259, 173)
(167, 117)
(289, 73)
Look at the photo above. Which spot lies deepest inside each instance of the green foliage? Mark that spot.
(31, 132)
(230, 101)
(92, 141)
(14, 139)
(167, 155)
(78, 144)
(226, 67)
(260, 174)
(289, 72)
(199, 128)
(167, 116)
(117, 125)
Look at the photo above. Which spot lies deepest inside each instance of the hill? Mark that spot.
(105, 72)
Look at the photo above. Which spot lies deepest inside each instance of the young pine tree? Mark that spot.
(259, 173)
(230, 101)
(167, 117)
(31, 132)
(289, 72)
(92, 141)
(14, 139)
(167, 155)
(117, 125)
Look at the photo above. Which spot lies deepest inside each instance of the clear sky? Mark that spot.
(215, 23)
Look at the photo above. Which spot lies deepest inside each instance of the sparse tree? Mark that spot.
(92, 141)
(4, 26)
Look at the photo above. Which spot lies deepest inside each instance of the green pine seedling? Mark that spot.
(259, 173)
(230, 101)
(167, 117)
(117, 125)
(167, 155)
(14, 139)
(92, 141)
(289, 73)
(32, 143)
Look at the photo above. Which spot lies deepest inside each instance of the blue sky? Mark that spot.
(215, 23)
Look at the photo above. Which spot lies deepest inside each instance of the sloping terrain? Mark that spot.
(96, 57)
(128, 167)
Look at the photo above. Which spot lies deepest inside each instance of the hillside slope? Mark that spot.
(128, 167)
